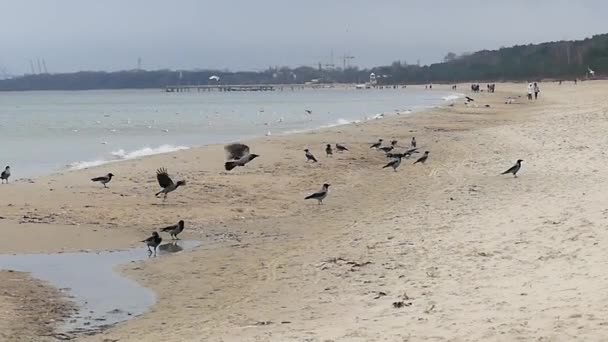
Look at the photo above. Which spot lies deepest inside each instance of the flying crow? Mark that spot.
(423, 158)
(378, 144)
(469, 99)
(103, 179)
(175, 229)
(153, 241)
(394, 163)
(341, 148)
(5, 174)
(320, 196)
(328, 151)
(514, 169)
(166, 183)
(238, 155)
(309, 156)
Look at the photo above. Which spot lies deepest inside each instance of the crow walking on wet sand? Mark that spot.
(103, 179)
(394, 163)
(309, 156)
(514, 169)
(377, 145)
(174, 230)
(423, 158)
(166, 183)
(5, 174)
(238, 155)
(328, 151)
(320, 196)
(153, 241)
(341, 148)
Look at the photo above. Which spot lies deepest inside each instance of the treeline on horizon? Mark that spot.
(553, 60)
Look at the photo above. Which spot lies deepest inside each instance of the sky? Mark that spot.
(73, 35)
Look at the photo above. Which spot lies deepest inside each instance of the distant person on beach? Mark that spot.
(536, 90)
(575, 81)
(530, 90)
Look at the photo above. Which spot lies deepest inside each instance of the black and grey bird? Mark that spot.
(103, 179)
(166, 183)
(469, 99)
(394, 143)
(320, 196)
(153, 241)
(423, 158)
(386, 149)
(414, 142)
(514, 169)
(377, 145)
(5, 174)
(175, 229)
(341, 148)
(309, 156)
(394, 163)
(238, 155)
(329, 151)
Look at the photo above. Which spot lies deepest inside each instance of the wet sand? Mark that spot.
(448, 250)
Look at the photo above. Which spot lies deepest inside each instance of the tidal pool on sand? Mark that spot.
(103, 296)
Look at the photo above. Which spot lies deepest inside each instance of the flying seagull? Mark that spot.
(514, 169)
(166, 183)
(423, 158)
(378, 144)
(320, 196)
(153, 241)
(238, 155)
(591, 72)
(103, 179)
(341, 148)
(414, 142)
(5, 174)
(328, 151)
(309, 156)
(175, 229)
(394, 163)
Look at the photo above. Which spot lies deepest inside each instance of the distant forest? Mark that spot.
(554, 60)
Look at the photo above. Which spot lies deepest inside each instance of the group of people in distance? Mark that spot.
(533, 88)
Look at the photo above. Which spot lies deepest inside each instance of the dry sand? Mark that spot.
(472, 255)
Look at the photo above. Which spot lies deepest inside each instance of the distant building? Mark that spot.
(372, 78)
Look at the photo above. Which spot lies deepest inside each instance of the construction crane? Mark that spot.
(346, 60)
(46, 71)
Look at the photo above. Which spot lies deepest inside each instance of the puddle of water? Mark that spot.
(104, 297)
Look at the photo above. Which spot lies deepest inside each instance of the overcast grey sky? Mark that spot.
(76, 35)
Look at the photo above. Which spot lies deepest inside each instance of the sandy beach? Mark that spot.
(449, 250)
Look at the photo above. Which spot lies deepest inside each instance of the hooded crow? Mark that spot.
(153, 241)
(309, 156)
(377, 145)
(239, 156)
(469, 99)
(394, 143)
(423, 158)
(394, 163)
(166, 183)
(514, 169)
(103, 179)
(5, 174)
(328, 151)
(175, 229)
(386, 149)
(341, 148)
(414, 142)
(320, 196)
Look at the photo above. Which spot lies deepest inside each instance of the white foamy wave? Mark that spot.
(339, 122)
(452, 97)
(121, 154)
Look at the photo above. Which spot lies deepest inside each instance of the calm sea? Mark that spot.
(43, 132)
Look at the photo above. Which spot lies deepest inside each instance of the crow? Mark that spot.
(386, 149)
(394, 163)
(378, 144)
(153, 241)
(341, 148)
(328, 151)
(423, 158)
(514, 169)
(5, 174)
(320, 196)
(175, 229)
(239, 155)
(103, 179)
(309, 156)
(166, 183)
(414, 142)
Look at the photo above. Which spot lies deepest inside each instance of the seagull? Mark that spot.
(328, 151)
(423, 158)
(394, 163)
(153, 241)
(239, 155)
(103, 179)
(5, 174)
(166, 183)
(377, 145)
(514, 169)
(175, 229)
(591, 72)
(309, 156)
(320, 196)
(341, 148)
(414, 142)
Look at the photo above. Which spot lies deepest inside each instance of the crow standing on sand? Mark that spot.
(328, 151)
(166, 183)
(514, 169)
(414, 142)
(309, 156)
(238, 155)
(394, 163)
(394, 143)
(103, 179)
(320, 196)
(5, 174)
(341, 148)
(174, 230)
(153, 241)
(377, 145)
(386, 149)
(423, 158)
